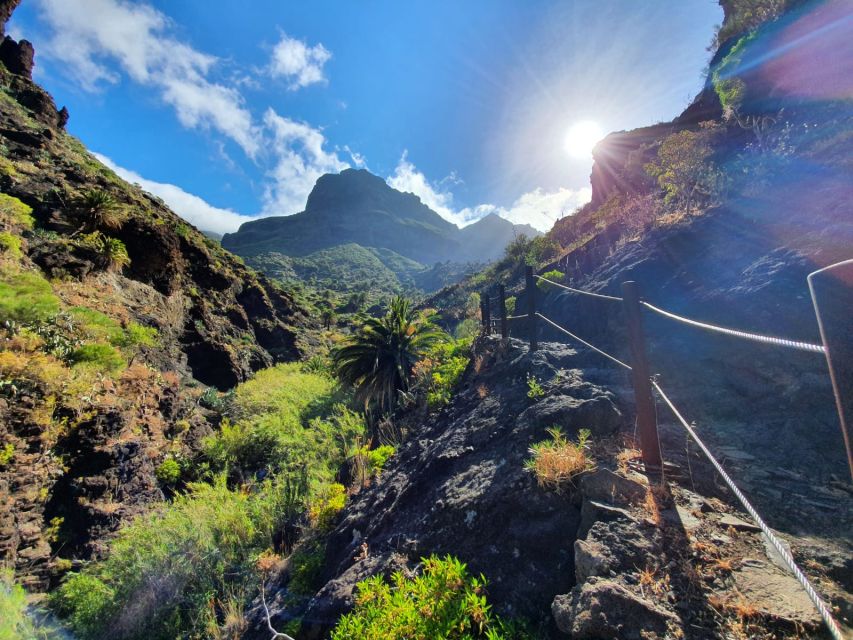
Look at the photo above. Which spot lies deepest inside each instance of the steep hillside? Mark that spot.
(115, 313)
(605, 555)
(352, 207)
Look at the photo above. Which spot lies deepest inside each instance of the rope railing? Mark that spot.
(755, 337)
(580, 291)
(783, 552)
(645, 386)
(584, 342)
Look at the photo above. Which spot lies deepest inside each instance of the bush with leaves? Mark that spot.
(444, 601)
(25, 296)
(441, 369)
(166, 570)
(554, 275)
(15, 214)
(285, 419)
(16, 623)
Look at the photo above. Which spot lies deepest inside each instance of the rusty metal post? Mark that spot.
(487, 313)
(502, 309)
(832, 296)
(530, 288)
(646, 419)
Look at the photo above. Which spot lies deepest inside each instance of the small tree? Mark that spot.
(378, 361)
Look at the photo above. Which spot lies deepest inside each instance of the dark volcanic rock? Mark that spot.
(17, 56)
(603, 609)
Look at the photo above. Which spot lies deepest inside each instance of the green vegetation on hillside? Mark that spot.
(443, 601)
(179, 571)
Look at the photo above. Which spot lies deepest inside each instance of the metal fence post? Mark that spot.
(530, 287)
(502, 309)
(646, 420)
(831, 289)
(487, 313)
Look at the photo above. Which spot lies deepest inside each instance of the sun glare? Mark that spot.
(582, 137)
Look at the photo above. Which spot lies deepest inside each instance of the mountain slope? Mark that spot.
(356, 207)
(115, 313)
(352, 207)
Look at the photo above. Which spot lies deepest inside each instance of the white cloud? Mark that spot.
(301, 159)
(538, 208)
(190, 207)
(297, 63)
(88, 33)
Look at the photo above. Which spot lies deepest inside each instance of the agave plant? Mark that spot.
(379, 359)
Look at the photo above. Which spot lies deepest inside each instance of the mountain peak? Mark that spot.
(354, 188)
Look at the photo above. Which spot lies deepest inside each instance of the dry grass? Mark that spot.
(650, 581)
(625, 457)
(556, 461)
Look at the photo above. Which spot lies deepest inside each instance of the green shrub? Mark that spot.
(15, 213)
(510, 305)
(103, 357)
(326, 505)
(555, 276)
(7, 454)
(277, 424)
(306, 567)
(136, 335)
(444, 601)
(25, 296)
(441, 368)
(164, 569)
(10, 243)
(169, 471)
(15, 622)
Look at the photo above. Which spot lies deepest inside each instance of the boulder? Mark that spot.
(601, 609)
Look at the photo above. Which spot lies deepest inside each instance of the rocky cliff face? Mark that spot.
(82, 442)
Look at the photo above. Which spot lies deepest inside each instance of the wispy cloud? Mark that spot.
(538, 208)
(298, 63)
(301, 159)
(190, 207)
(139, 40)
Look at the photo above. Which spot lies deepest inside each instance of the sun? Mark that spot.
(581, 137)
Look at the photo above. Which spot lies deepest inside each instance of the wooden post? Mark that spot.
(832, 296)
(646, 420)
(530, 286)
(482, 314)
(502, 303)
(487, 313)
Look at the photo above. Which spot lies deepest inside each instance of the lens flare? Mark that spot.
(582, 137)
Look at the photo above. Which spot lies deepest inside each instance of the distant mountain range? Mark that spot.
(354, 223)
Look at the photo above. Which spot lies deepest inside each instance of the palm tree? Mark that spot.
(96, 208)
(113, 253)
(378, 360)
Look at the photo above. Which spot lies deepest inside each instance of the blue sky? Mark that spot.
(233, 113)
